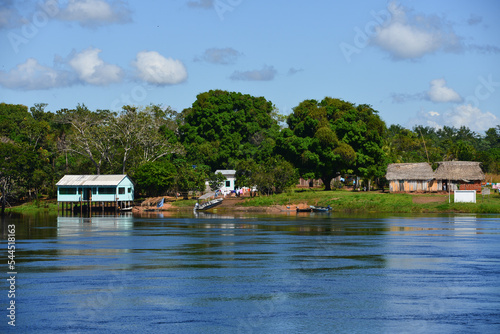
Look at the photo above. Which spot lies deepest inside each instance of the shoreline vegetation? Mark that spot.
(341, 201)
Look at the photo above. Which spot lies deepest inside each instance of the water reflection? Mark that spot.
(71, 226)
(181, 273)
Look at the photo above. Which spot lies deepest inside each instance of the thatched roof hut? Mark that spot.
(465, 171)
(410, 171)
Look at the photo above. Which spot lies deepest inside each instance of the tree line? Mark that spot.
(166, 151)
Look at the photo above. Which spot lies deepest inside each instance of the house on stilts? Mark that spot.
(115, 191)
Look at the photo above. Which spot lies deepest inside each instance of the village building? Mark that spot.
(110, 190)
(230, 175)
(411, 177)
(459, 175)
(309, 183)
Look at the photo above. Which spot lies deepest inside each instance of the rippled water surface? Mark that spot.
(224, 274)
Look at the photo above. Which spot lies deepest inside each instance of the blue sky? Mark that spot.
(424, 62)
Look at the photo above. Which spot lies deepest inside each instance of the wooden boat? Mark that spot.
(321, 208)
(129, 208)
(303, 210)
(207, 205)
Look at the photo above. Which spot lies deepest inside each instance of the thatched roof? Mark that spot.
(409, 171)
(459, 171)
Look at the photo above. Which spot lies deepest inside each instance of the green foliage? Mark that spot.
(449, 143)
(334, 136)
(275, 175)
(222, 128)
(190, 177)
(216, 180)
(155, 178)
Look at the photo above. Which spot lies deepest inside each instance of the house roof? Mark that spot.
(226, 171)
(409, 171)
(459, 170)
(91, 180)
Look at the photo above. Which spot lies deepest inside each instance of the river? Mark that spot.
(297, 273)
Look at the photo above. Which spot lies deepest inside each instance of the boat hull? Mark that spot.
(208, 205)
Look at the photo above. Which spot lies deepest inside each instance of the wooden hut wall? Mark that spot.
(408, 185)
(434, 186)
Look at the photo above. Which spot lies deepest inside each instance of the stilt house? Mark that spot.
(95, 188)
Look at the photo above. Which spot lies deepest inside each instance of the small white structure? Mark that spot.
(230, 175)
(465, 196)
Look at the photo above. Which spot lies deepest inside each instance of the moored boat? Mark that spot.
(321, 208)
(208, 205)
(303, 209)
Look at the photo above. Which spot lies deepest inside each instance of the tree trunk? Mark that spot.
(327, 180)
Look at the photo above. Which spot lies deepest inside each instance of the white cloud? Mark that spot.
(224, 56)
(471, 117)
(415, 36)
(32, 76)
(267, 73)
(462, 115)
(93, 70)
(438, 92)
(95, 12)
(83, 67)
(152, 67)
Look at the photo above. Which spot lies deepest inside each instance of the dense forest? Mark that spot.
(166, 151)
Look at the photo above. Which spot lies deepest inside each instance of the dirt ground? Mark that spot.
(232, 203)
(420, 199)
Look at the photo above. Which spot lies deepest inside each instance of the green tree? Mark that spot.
(333, 136)
(90, 136)
(190, 177)
(17, 164)
(11, 117)
(223, 127)
(155, 178)
(275, 175)
(216, 180)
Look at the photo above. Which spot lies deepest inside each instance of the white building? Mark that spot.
(230, 175)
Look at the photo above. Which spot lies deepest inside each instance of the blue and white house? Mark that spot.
(95, 188)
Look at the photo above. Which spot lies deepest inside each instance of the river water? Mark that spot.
(300, 273)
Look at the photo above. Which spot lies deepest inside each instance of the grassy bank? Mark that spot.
(349, 201)
(339, 200)
(34, 207)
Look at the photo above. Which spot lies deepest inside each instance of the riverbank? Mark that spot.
(339, 200)
(366, 202)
